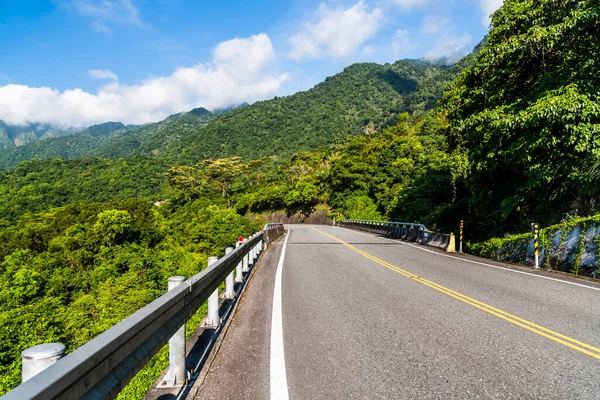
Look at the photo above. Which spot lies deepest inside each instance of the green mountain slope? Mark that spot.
(108, 140)
(363, 98)
(12, 136)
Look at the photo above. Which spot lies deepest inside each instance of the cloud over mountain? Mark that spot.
(238, 72)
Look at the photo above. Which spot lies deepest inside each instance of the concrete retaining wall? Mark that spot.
(569, 249)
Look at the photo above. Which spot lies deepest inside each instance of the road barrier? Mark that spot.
(403, 230)
(102, 367)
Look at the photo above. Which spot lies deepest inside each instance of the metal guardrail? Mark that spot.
(388, 228)
(102, 367)
(403, 230)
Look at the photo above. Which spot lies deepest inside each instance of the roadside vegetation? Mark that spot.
(514, 138)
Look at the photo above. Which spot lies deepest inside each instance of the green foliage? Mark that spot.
(108, 140)
(70, 273)
(404, 171)
(363, 98)
(304, 194)
(361, 207)
(112, 226)
(35, 186)
(526, 116)
(495, 248)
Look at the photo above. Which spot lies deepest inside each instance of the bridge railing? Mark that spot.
(102, 367)
(408, 231)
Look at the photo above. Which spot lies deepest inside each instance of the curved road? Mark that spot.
(365, 317)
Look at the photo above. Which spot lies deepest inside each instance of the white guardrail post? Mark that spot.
(176, 374)
(103, 366)
(239, 275)
(245, 260)
(229, 291)
(252, 254)
(38, 358)
(212, 318)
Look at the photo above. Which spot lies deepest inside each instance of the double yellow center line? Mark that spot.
(513, 319)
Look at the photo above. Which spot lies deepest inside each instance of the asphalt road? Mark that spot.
(364, 317)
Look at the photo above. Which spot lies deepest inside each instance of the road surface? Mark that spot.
(365, 317)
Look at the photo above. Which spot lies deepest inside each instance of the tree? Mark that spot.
(220, 174)
(112, 226)
(527, 114)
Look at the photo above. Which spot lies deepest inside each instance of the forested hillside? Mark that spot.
(362, 98)
(525, 119)
(39, 185)
(515, 138)
(12, 136)
(109, 140)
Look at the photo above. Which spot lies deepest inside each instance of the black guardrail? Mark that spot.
(408, 231)
(102, 367)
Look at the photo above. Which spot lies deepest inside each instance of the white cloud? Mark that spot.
(410, 3)
(105, 13)
(451, 47)
(337, 32)
(488, 7)
(238, 72)
(103, 74)
(369, 49)
(401, 45)
(432, 24)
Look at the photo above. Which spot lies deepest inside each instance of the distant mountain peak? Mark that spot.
(200, 111)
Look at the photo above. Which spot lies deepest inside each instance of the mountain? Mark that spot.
(12, 136)
(362, 98)
(107, 140)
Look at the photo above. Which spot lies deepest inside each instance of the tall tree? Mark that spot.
(526, 116)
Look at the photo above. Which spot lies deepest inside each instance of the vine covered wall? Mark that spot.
(572, 247)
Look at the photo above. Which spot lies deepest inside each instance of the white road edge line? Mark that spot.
(480, 263)
(279, 388)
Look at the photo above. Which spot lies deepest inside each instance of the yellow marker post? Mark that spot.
(462, 224)
(535, 229)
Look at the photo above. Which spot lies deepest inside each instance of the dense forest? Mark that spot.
(108, 140)
(508, 135)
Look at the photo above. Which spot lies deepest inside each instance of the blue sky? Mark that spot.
(79, 62)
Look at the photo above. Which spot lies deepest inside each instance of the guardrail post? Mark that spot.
(256, 249)
(212, 318)
(250, 253)
(245, 260)
(176, 374)
(38, 358)
(239, 276)
(229, 292)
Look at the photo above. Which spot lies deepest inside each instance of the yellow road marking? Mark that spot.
(513, 319)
